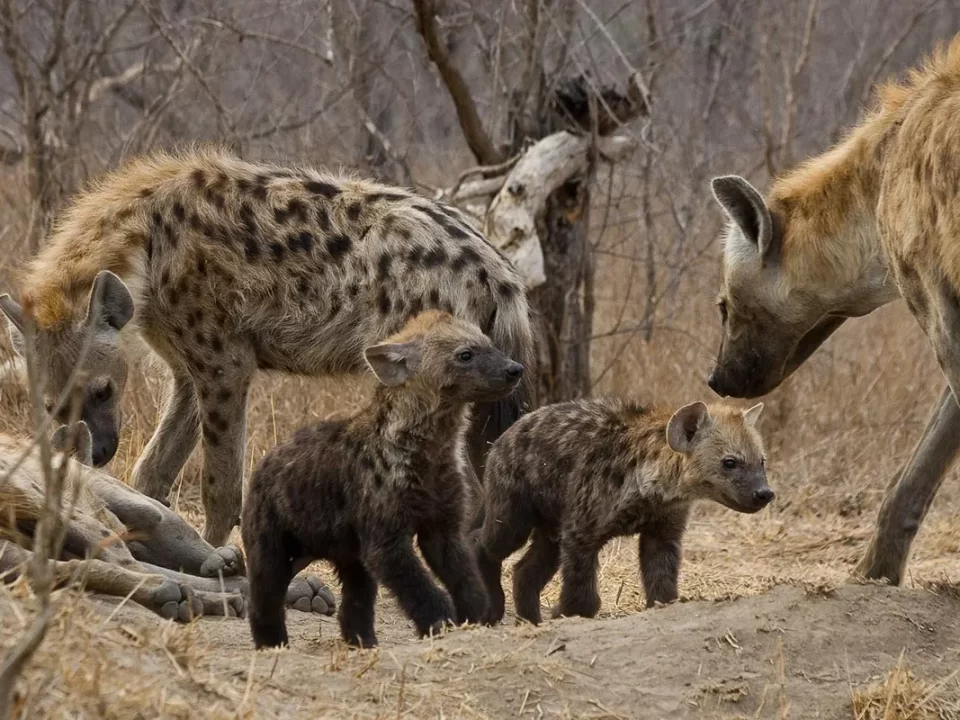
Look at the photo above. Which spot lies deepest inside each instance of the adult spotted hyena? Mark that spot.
(226, 267)
(874, 218)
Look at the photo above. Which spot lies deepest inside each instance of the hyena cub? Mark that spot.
(356, 491)
(578, 474)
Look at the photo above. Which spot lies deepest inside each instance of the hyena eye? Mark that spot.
(49, 408)
(729, 463)
(465, 356)
(104, 393)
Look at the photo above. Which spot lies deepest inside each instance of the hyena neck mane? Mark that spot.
(410, 415)
(658, 470)
(825, 211)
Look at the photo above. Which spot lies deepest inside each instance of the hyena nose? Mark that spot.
(514, 371)
(763, 496)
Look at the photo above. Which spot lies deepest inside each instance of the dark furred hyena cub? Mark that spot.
(578, 474)
(356, 491)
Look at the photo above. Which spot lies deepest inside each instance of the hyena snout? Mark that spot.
(513, 372)
(754, 497)
(104, 448)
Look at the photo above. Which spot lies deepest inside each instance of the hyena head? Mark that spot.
(771, 323)
(102, 374)
(723, 453)
(440, 353)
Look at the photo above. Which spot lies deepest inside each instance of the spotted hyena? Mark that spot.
(873, 219)
(356, 491)
(578, 474)
(227, 267)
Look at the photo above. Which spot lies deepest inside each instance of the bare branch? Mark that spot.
(477, 139)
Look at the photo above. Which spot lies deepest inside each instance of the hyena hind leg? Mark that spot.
(502, 534)
(532, 573)
(269, 572)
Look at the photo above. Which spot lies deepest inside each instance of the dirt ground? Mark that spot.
(740, 644)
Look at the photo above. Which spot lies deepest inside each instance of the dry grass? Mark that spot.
(904, 697)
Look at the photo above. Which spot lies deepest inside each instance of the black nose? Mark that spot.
(514, 371)
(763, 496)
(103, 453)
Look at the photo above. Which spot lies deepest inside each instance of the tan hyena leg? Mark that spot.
(936, 307)
(172, 441)
(910, 493)
(223, 409)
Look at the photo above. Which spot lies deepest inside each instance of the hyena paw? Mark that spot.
(225, 561)
(310, 594)
(180, 602)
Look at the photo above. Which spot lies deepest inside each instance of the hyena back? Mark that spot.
(872, 219)
(231, 267)
(577, 474)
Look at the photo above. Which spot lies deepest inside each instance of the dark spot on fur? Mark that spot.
(353, 290)
(506, 290)
(201, 265)
(210, 437)
(466, 257)
(217, 344)
(300, 241)
(165, 277)
(389, 197)
(434, 298)
(323, 219)
(383, 266)
(338, 246)
(178, 212)
(483, 276)
(383, 302)
(353, 211)
(303, 286)
(223, 395)
(437, 256)
(336, 305)
(200, 338)
(415, 256)
(199, 178)
(416, 305)
(323, 189)
(217, 420)
(399, 306)
(145, 192)
(243, 185)
(364, 232)
(277, 250)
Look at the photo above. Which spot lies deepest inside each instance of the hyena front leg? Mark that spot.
(223, 406)
(660, 555)
(172, 441)
(936, 306)
(579, 565)
(910, 493)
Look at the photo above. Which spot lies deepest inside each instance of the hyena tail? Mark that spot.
(511, 330)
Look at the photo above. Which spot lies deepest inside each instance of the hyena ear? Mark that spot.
(745, 206)
(116, 302)
(11, 308)
(393, 363)
(683, 426)
(83, 443)
(751, 415)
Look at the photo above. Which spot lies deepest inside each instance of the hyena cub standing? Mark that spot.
(578, 474)
(356, 491)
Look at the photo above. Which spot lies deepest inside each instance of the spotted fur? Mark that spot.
(234, 267)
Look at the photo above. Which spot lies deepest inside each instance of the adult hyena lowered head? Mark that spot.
(356, 491)
(578, 474)
(874, 218)
(233, 267)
